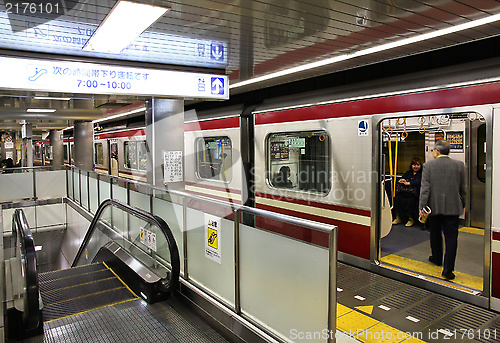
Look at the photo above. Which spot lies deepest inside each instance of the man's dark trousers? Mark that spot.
(448, 225)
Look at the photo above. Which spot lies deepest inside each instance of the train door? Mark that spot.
(477, 175)
(404, 244)
(113, 157)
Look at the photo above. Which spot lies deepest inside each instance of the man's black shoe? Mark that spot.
(434, 261)
(448, 276)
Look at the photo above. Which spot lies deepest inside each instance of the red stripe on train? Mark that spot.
(353, 239)
(464, 96)
(127, 133)
(316, 204)
(224, 123)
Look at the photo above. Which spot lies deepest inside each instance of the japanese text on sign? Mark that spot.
(172, 166)
(212, 238)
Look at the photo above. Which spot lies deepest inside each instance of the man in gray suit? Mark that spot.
(443, 190)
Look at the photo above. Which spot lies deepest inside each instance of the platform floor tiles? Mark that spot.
(373, 308)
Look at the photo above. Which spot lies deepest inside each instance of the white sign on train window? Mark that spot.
(362, 128)
(93, 78)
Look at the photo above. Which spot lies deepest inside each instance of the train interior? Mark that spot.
(403, 245)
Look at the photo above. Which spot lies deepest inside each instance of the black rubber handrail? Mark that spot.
(166, 285)
(20, 228)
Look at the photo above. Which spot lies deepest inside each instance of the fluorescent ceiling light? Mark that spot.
(44, 110)
(137, 110)
(50, 98)
(126, 21)
(364, 52)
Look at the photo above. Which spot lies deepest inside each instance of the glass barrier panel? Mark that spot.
(7, 214)
(93, 193)
(140, 198)
(295, 298)
(77, 186)
(172, 214)
(49, 184)
(120, 221)
(104, 189)
(141, 201)
(120, 193)
(16, 186)
(210, 248)
(71, 176)
(84, 189)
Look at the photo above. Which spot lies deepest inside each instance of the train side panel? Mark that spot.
(212, 159)
(345, 201)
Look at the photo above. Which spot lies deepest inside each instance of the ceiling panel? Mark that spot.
(260, 37)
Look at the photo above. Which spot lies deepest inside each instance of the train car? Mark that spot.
(68, 144)
(345, 149)
(42, 153)
(121, 152)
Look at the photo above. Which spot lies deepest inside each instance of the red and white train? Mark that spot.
(343, 148)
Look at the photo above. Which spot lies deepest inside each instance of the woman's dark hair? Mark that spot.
(415, 160)
(284, 172)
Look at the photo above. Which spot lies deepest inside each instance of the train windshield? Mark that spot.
(299, 161)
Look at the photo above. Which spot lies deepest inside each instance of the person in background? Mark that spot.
(407, 194)
(443, 190)
(8, 163)
(282, 179)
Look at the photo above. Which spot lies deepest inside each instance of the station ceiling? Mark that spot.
(260, 39)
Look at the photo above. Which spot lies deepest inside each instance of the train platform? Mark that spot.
(374, 308)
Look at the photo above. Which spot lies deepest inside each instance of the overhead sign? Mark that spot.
(92, 78)
(65, 35)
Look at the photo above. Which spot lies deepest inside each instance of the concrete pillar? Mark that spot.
(165, 142)
(27, 150)
(56, 142)
(83, 150)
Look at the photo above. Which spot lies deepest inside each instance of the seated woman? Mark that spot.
(407, 194)
(282, 179)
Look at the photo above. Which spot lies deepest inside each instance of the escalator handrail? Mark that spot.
(141, 214)
(20, 228)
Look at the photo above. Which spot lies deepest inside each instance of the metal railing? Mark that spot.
(24, 250)
(229, 278)
(170, 280)
(84, 185)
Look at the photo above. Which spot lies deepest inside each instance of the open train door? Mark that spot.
(405, 247)
(113, 158)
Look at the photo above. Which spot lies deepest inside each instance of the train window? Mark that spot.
(98, 154)
(135, 155)
(65, 152)
(38, 152)
(408, 148)
(130, 149)
(48, 152)
(299, 161)
(214, 158)
(481, 153)
(142, 154)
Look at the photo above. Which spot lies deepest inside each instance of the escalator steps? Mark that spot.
(80, 289)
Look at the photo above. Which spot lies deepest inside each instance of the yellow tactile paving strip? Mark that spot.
(365, 329)
(423, 268)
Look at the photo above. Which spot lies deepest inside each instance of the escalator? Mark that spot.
(112, 268)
